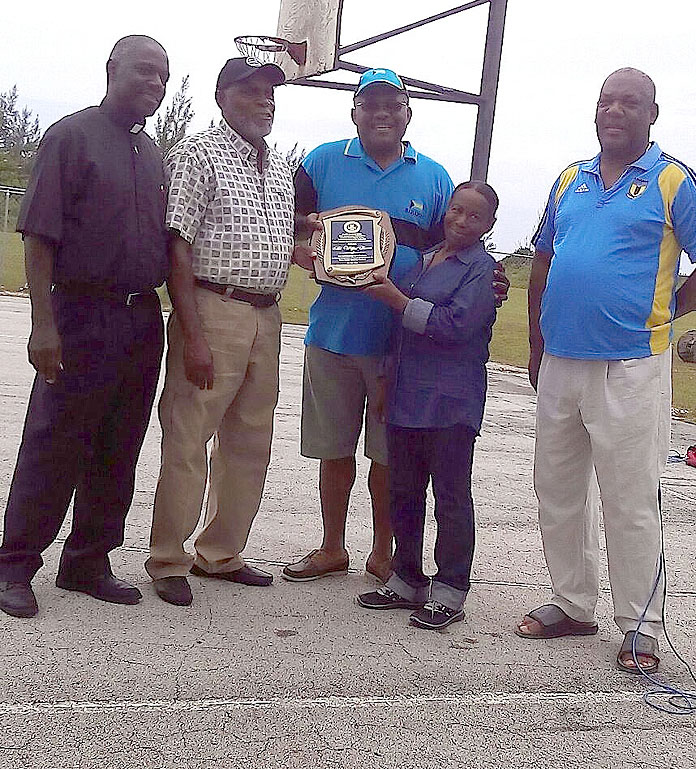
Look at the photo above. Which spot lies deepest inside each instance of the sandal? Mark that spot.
(555, 624)
(645, 646)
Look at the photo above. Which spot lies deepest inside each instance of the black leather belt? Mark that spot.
(95, 291)
(232, 292)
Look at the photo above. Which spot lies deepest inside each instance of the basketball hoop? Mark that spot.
(267, 49)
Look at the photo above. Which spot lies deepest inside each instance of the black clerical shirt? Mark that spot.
(97, 193)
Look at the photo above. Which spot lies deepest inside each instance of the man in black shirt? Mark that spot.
(95, 248)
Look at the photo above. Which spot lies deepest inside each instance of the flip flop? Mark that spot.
(555, 624)
(646, 646)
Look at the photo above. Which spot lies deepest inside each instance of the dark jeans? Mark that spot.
(445, 455)
(82, 435)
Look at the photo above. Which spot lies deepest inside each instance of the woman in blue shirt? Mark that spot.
(436, 390)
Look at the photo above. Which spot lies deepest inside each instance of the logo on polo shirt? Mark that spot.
(637, 189)
(583, 188)
(416, 208)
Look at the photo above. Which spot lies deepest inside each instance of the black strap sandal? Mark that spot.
(555, 623)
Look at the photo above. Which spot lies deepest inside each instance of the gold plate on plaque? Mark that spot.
(352, 243)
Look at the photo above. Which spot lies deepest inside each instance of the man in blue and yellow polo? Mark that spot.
(602, 298)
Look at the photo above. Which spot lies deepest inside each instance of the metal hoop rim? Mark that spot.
(279, 44)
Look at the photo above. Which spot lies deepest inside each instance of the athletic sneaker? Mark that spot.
(434, 616)
(384, 598)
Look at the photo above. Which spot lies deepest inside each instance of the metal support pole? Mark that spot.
(489, 89)
(408, 27)
(7, 209)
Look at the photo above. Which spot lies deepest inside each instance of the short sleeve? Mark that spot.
(189, 190)
(442, 198)
(542, 239)
(43, 205)
(684, 215)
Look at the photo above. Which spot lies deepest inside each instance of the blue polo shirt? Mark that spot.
(615, 257)
(414, 191)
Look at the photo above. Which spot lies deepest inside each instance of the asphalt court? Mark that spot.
(297, 675)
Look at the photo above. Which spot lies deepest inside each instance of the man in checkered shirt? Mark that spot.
(231, 214)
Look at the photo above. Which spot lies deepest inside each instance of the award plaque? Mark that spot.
(352, 243)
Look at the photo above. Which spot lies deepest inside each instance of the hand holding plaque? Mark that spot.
(352, 243)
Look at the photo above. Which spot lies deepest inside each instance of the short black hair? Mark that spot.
(125, 44)
(647, 80)
(483, 189)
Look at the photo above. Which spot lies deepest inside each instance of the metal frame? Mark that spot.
(485, 100)
(7, 191)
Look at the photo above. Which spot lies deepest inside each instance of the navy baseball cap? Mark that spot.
(385, 76)
(242, 67)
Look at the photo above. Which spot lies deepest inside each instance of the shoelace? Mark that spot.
(433, 606)
(387, 593)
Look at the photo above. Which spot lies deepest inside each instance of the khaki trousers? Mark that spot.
(238, 415)
(613, 417)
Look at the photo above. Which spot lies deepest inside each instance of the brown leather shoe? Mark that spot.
(315, 565)
(174, 590)
(247, 575)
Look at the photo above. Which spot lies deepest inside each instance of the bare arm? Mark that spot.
(686, 297)
(537, 284)
(198, 360)
(44, 342)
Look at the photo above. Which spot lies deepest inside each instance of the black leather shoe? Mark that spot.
(17, 599)
(107, 588)
(247, 575)
(174, 590)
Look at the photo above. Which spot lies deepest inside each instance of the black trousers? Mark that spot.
(83, 435)
(446, 456)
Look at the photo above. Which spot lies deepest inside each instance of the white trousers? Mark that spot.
(612, 417)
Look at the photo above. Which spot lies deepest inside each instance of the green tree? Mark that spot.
(178, 115)
(293, 157)
(19, 139)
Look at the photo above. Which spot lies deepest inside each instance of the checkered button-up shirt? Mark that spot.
(238, 220)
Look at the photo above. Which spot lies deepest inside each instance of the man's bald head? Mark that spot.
(625, 111)
(127, 46)
(644, 82)
(136, 75)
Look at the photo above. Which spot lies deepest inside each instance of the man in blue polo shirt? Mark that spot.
(601, 303)
(348, 331)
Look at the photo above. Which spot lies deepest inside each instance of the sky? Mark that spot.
(556, 54)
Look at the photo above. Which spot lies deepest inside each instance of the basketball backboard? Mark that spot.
(318, 22)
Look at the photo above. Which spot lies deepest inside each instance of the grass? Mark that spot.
(508, 346)
(12, 277)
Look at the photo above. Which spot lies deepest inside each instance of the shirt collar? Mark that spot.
(354, 149)
(243, 148)
(465, 255)
(645, 162)
(118, 119)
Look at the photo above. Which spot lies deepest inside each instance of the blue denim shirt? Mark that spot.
(437, 371)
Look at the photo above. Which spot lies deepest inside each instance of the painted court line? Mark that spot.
(335, 703)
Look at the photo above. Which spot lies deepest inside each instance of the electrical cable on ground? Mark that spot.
(664, 697)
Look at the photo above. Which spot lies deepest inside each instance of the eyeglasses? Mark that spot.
(392, 107)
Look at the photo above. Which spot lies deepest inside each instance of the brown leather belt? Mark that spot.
(258, 300)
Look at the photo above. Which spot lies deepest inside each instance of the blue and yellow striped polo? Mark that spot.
(615, 257)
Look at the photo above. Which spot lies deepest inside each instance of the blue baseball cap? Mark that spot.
(374, 76)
